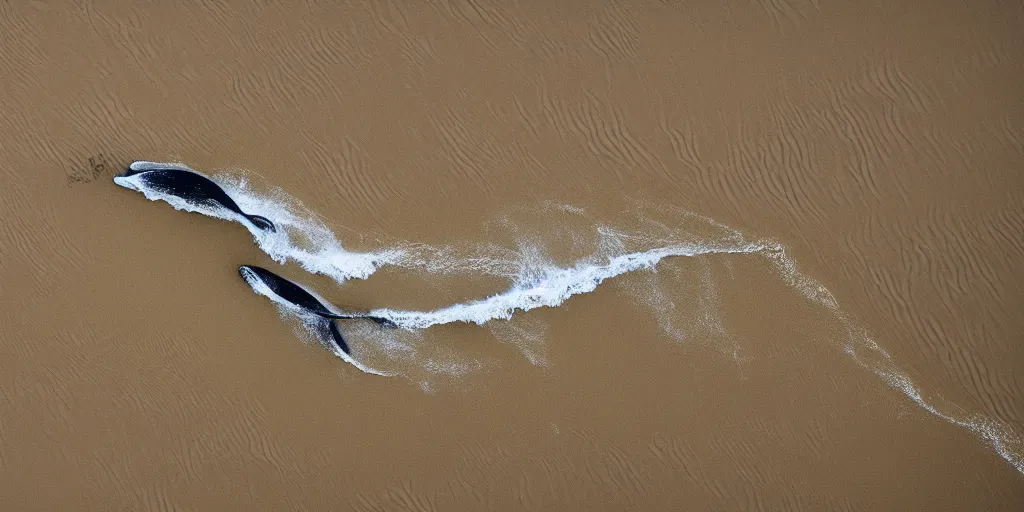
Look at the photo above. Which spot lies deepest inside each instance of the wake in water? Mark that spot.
(552, 287)
(536, 282)
(543, 284)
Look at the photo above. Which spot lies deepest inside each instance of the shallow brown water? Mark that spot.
(880, 144)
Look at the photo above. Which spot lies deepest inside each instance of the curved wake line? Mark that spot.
(552, 288)
(1001, 437)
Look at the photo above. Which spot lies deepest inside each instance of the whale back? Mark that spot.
(289, 291)
(188, 185)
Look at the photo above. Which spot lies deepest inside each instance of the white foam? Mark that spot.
(550, 287)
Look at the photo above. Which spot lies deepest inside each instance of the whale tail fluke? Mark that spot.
(338, 338)
(262, 223)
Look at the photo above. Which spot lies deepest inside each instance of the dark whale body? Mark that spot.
(194, 188)
(303, 298)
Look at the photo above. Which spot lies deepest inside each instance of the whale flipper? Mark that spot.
(261, 222)
(338, 338)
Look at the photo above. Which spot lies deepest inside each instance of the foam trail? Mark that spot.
(300, 236)
(860, 346)
(552, 287)
(1000, 437)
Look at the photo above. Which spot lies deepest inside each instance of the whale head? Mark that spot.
(252, 274)
(262, 282)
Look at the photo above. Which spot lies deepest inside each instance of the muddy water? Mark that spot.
(836, 191)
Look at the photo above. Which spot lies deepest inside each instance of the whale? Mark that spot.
(304, 299)
(186, 184)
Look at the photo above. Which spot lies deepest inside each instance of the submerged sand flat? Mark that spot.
(643, 255)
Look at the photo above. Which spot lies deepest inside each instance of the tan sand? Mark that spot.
(880, 144)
